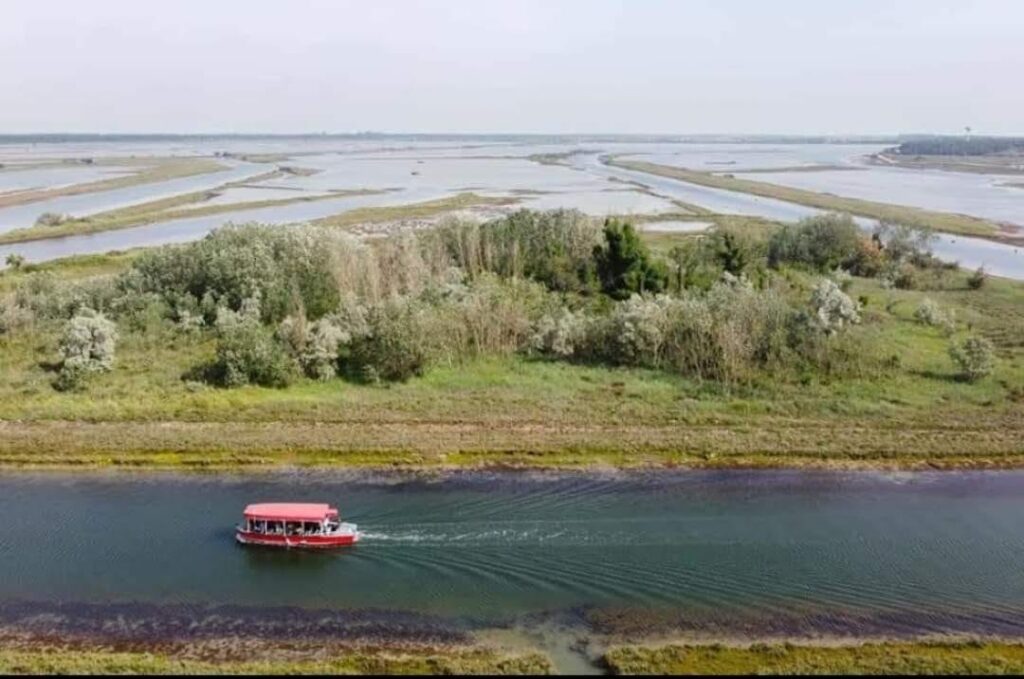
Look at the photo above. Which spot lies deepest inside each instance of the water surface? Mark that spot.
(931, 550)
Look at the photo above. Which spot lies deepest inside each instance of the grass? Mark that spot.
(424, 210)
(150, 170)
(873, 658)
(58, 660)
(939, 221)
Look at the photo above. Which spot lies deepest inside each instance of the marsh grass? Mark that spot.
(955, 657)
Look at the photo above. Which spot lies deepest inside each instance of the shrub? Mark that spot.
(975, 357)
(554, 248)
(52, 219)
(822, 242)
(633, 333)
(319, 358)
(929, 313)
(15, 261)
(86, 346)
(13, 317)
(247, 353)
(977, 279)
(867, 259)
(559, 334)
(731, 250)
(488, 317)
(905, 242)
(394, 348)
(624, 265)
(833, 308)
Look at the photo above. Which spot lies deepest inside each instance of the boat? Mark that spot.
(295, 524)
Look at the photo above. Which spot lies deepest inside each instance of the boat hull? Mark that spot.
(297, 541)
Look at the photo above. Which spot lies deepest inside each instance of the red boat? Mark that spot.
(295, 524)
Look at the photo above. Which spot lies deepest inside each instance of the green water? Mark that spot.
(921, 551)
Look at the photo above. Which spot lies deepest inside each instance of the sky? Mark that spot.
(530, 66)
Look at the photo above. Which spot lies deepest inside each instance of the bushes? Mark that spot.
(287, 268)
(975, 357)
(52, 219)
(394, 347)
(554, 248)
(86, 346)
(977, 279)
(833, 309)
(929, 313)
(248, 353)
(823, 243)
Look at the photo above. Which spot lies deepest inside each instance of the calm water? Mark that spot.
(924, 548)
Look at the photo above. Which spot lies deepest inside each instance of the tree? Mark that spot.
(822, 242)
(624, 265)
(15, 261)
(731, 252)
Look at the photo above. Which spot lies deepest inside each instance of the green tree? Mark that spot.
(731, 252)
(15, 261)
(624, 265)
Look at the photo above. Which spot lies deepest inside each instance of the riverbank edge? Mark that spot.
(54, 655)
(552, 461)
(926, 655)
(839, 655)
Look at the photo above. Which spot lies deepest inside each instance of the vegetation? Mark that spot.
(960, 146)
(938, 221)
(624, 266)
(102, 661)
(975, 356)
(494, 344)
(956, 657)
(149, 170)
(86, 346)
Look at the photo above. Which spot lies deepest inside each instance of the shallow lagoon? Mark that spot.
(428, 170)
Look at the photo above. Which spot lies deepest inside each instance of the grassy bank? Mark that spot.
(150, 170)
(413, 211)
(939, 221)
(164, 210)
(63, 660)
(873, 658)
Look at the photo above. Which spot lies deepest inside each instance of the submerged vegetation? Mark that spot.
(653, 355)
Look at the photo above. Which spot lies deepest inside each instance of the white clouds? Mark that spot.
(524, 65)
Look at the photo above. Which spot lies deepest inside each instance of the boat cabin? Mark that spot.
(291, 519)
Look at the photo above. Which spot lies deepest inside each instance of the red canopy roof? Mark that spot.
(290, 511)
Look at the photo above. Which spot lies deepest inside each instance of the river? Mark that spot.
(782, 551)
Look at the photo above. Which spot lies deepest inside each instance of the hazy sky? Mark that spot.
(674, 66)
